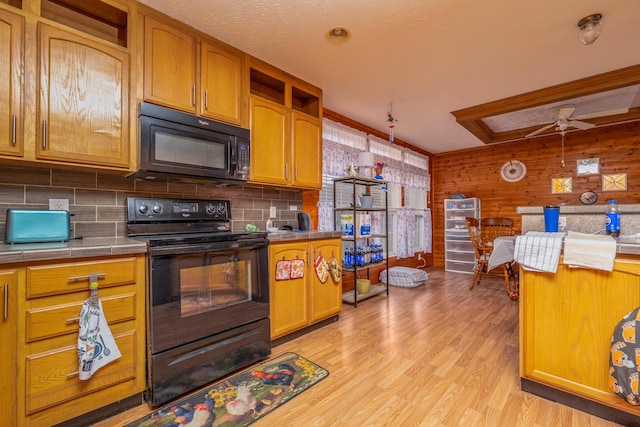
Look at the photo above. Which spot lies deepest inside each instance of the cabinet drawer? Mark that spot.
(63, 319)
(459, 245)
(70, 277)
(51, 379)
(459, 266)
(461, 256)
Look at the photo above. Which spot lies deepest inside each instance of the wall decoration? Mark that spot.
(588, 166)
(561, 185)
(588, 198)
(614, 182)
(513, 171)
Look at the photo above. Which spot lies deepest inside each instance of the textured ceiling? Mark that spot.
(427, 57)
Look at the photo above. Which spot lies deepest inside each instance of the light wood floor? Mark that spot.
(436, 355)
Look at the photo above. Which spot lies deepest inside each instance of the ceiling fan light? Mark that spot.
(589, 28)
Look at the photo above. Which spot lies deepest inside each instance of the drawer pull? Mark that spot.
(93, 279)
(73, 374)
(73, 319)
(13, 129)
(5, 310)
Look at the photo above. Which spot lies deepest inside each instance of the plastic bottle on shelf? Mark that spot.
(613, 218)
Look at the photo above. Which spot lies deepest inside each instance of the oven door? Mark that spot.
(199, 290)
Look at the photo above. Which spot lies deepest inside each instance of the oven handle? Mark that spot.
(182, 249)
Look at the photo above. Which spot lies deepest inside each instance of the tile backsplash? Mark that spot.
(97, 201)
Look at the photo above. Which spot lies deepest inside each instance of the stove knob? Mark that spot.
(143, 208)
(157, 209)
(211, 209)
(221, 208)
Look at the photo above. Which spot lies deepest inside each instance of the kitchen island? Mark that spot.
(566, 323)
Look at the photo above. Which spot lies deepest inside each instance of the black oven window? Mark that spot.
(217, 284)
(184, 150)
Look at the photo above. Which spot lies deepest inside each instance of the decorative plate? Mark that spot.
(588, 198)
(513, 171)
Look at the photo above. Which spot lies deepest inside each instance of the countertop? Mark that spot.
(94, 247)
(80, 248)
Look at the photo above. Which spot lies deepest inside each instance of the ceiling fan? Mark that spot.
(562, 120)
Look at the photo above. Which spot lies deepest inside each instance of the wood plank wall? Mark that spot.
(476, 173)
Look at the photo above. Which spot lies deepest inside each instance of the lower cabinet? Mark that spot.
(49, 390)
(302, 294)
(8, 342)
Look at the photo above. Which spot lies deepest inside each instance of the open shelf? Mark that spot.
(373, 291)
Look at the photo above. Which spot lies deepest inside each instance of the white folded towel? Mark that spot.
(588, 250)
(538, 251)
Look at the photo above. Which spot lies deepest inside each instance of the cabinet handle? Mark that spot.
(44, 134)
(73, 319)
(296, 172)
(206, 99)
(5, 310)
(13, 129)
(286, 171)
(193, 95)
(73, 374)
(87, 276)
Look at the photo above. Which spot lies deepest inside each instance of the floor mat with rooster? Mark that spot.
(240, 399)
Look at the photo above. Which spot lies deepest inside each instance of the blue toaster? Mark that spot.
(34, 226)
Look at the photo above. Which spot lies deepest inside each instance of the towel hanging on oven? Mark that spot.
(96, 346)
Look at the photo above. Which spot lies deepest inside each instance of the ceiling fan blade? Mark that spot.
(580, 125)
(542, 129)
(613, 112)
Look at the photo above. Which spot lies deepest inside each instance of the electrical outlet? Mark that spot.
(419, 257)
(293, 208)
(272, 212)
(59, 204)
(562, 222)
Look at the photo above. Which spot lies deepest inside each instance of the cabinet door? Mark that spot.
(222, 84)
(84, 100)
(289, 308)
(8, 342)
(307, 151)
(269, 143)
(169, 66)
(326, 298)
(11, 47)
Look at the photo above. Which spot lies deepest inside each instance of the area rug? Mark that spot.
(242, 398)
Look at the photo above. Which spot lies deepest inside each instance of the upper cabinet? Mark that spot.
(84, 100)
(194, 74)
(65, 83)
(286, 122)
(11, 50)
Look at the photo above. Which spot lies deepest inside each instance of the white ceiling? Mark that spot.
(427, 57)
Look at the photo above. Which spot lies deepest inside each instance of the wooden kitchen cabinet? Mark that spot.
(285, 122)
(9, 342)
(83, 118)
(11, 72)
(64, 96)
(194, 74)
(49, 390)
(298, 302)
(566, 323)
(170, 66)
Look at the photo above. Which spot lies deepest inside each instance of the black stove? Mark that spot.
(208, 293)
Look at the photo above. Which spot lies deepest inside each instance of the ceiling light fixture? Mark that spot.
(589, 28)
(338, 34)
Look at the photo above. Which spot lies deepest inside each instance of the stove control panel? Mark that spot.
(141, 209)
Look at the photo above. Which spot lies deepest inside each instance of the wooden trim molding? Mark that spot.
(472, 118)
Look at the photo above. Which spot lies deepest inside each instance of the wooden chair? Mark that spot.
(482, 234)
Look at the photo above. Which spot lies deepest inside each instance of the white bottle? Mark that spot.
(269, 224)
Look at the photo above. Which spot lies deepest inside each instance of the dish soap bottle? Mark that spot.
(613, 218)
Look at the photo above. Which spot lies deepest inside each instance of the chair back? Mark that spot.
(491, 228)
(473, 227)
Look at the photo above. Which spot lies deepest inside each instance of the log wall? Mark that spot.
(476, 173)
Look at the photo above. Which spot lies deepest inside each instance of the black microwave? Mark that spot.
(176, 146)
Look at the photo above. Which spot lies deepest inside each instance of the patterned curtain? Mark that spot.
(325, 216)
(428, 233)
(405, 232)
